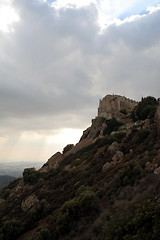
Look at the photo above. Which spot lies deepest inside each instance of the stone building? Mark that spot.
(111, 105)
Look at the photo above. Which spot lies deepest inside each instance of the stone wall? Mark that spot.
(111, 105)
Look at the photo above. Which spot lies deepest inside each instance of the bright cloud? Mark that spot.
(110, 11)
(8, 16)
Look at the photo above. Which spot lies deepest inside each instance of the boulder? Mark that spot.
(2, 201)
(157, 171)
(29, 202)
(113, 148)
(118, 157)
(107, 166)
(52, 162)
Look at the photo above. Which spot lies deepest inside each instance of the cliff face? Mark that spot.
(111, 105)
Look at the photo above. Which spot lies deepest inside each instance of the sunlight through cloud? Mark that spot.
(7, 16)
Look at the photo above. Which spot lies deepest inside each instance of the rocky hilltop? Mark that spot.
(113, 105)
(105, 187)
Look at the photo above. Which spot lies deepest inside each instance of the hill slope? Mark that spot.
(5, 180)
(106, 187)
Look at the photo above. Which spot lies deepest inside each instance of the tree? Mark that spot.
(146, 108)
(12, 229)
(67, 148)
(41, 234)
(112, 125)
(30, 175)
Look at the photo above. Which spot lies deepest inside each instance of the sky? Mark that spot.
(58, 58)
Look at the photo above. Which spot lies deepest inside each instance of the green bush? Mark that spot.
(140, 136)
(148, 111)
(30, 175)
(11, 230)
(146, 108)
(112, 125)
(83, 207)
(67, 148)
(140, 222)
(88, 202)
(68, 216)
(41, 234)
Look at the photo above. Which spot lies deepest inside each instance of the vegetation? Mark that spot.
(41, 234)
(11, 230)
(5, 180)
(112, 125)
(80, 199)
(146, 109)
(67, 148)
(84, 206)
(137, 223)
(29, 175)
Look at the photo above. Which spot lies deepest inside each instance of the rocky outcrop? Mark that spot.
(52, 162)
(157, 171)
(29, 202)
(96, 130)
(107, 166)
(113, 148)
(2, 201)
(82, 144)
(112, 105)
(118, 157)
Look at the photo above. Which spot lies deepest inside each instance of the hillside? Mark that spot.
(106, 187)
(5, 180)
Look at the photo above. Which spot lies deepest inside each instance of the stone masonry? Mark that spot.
(111, 105)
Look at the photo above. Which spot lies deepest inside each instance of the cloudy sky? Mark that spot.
(58, 58)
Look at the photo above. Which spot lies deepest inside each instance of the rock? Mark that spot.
(107, 166)
(52, 162)
(157, 171)
(2, 201)
(118, 157)
(113, 148)
(146, 124)
(149, 166)
(29, 202)
(55, 160)
(80, 145)
(18, 189)
(131, 151)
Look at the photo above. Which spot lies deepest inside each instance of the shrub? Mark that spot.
(6, 193)
(112, 125)
(68, 215)
(123, 111)
(146, 108)
(140, 136)
(11, 230)
(136, 223)
(30, 175)
(88, 204)
(67, 148)
(83, 207)
(41, 234)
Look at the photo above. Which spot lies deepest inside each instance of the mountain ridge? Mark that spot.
(112, 173)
